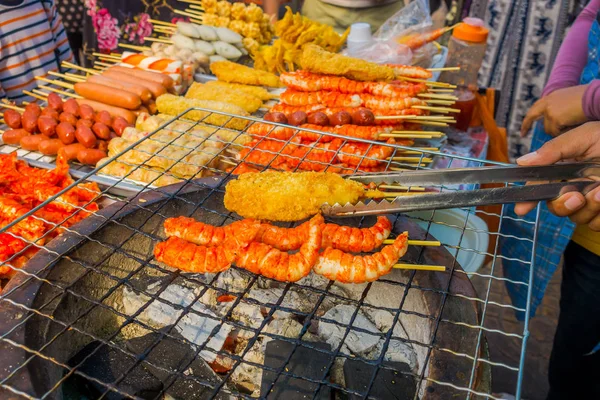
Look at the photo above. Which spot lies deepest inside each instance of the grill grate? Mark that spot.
(80, 291)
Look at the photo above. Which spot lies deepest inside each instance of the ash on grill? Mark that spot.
(248, 315)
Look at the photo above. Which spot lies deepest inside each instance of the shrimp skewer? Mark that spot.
(355, 153)
(356, 131)
(240, 232)
(411, 71)
(305, 81)
(263, 259)
(416, 40)
(190, 257)
(344, 267)
(334, 99)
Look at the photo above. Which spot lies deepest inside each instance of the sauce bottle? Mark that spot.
(466, 49)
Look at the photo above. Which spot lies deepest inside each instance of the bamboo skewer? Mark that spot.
(195, 12)
(75, 78)
(441, 102)
(77, 67)
(57, 83)
(157, 22)
(427, 133)
(409, 188)
(438, 96)
(187, 14)
(441, 90)
(11, 107)
(428, 83)
(415, 117)
(431, 123)
(196, 7)
(433, 268)
(34, 95)
(190, 1)
(133, 47)
(102, 64)
(39, 92)
(152, 39)
(100, 55)
(68, 94)
(423, 160)
(418, 152)
(443, 69)
(438, 109)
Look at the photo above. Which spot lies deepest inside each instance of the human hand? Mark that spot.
(579, 144)
(560, 109)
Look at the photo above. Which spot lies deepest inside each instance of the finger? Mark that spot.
(594, 224)
(567, 204)
(573, 144)
(550, 127)
(524, 208)
(591, 209)
(534, 113)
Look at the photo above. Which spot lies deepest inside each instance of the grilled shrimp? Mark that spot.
(305, 81)
(355, 131)
(344, 267)
(397, 103)
(267, 152)
(237, 234)
(288, 110)
(355, 153)
(190, 257)
(261, 129)
(411, 71)
(29, 228)
(316, 156)
(331, 99)
(344, 238)
(265, 260)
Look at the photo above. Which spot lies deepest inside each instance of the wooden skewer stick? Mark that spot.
(68, 94)
(157, 22)
(151, 39)
(424, 160)
(415, 117)
(75, 76)
(437, 109)
(227, 161)
(429, 123)
(403, 136)
(398, 187)
(102, 65)
(441, 102)
(443, 69)
(427, 133)
(39, 92)
(428, 83)
(57, 83)
(196, 7)
(195, 12)
(11, 107)
(438, 96)
(187, 14)
(417, 152)
(66, 77)
(106, 56)
(77, 67)
(433, 268)
(34, 95)
(190, 1)
(425, 243)
(132, 47)
(441, 90)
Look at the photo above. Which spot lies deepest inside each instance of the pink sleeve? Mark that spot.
(572, 56)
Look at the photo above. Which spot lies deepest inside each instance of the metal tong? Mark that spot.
(470, 198)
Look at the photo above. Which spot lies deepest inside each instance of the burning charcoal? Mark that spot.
(248, 376)
(305, 362)
(387, 385)
(107, 364)
(173, 355)
(233, 280)
(248, 314)
(284, 327)
(194, 326)
(357, 342)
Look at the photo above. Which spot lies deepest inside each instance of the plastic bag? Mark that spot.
(412, 18)
(382, 52)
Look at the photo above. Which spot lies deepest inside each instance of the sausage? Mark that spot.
(101, 130)
(102, 145)
(86, 112)
(35, 108)
(297, 118)
(152, 108)
(108, 95)
(14, 136)
(155, 88)
(142, 91)
(70, 151)
(71, 106)
(341, 118)
(47, 125)
(85, 136)
(318, 118)
(104, 118)
(66, 132)
(32, 142)
(90, 156)
(12, 119)
(29, 121)
(55, 102)
(67, 117)
(85, 122)
(50, 147)
(50, 112)
(114, 111)
(119, 124)
(363, 116)
(276, 117)
(157, 77)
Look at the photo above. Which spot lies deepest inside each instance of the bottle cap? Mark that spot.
(360, 32)
(471, 30)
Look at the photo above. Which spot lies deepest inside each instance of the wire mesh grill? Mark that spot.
(98, 288)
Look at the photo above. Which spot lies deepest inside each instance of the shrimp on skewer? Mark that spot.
(365, 154)
(344, 238)
(240, 232)
(416, 40)
(411, 71)
(189, 257)
(347, 268)
(331, 99)
(265, 260)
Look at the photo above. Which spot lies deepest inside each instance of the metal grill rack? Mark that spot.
(95, 298)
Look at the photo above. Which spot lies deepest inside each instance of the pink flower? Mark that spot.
(92, 6)
(137, 31)
(107, 30)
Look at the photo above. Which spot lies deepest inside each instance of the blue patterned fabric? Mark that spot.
(554, 232)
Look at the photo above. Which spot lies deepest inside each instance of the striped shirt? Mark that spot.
(33, 41)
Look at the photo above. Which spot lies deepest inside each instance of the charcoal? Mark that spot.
(107, 364)
(305, 362)
(388, 384)
(173, 355)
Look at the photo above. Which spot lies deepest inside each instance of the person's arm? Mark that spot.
(63, 49)
(271, 7)
(579, 144)
(572, 56)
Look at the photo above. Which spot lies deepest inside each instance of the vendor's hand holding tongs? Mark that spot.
(580, 175)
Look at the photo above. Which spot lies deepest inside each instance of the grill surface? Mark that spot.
(71, 295)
